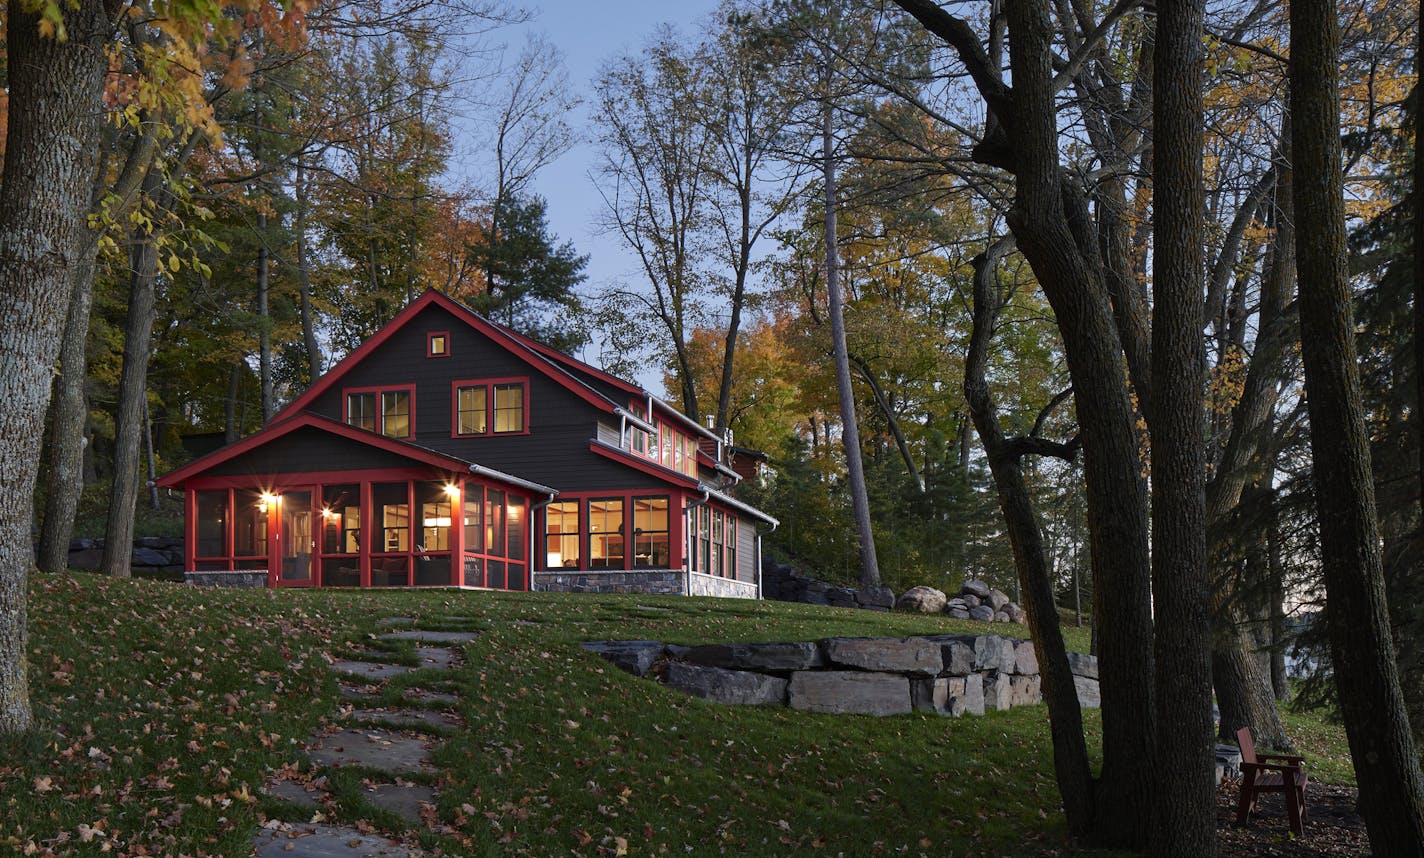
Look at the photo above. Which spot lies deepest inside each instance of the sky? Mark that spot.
(588, 34)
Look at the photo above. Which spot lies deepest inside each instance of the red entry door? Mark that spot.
(295, 542)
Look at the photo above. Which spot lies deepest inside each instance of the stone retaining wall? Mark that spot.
(726, 588)
(945, 674)
(153, 556)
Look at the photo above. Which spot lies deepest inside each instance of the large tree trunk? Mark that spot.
(133, 392)
(55, 89)
(264, 319)
(69, 410)
(1184, 817)
(1386, 762)
(304, 279)
(1070, 752)
(850, 431)
(1049, 221)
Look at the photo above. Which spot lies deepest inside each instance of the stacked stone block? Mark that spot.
(946, 674)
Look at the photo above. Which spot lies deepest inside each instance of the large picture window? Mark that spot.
(650, 532)
(561, 541)
(605, 533)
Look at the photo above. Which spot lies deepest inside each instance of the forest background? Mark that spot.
(273, 183)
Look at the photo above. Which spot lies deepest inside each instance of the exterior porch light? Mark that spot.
(267, 499)
(452, 490)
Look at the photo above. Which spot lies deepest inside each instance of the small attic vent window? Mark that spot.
(437, 344)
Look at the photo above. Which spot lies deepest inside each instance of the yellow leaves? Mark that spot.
(1226, 381)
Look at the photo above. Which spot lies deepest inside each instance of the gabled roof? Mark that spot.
(521, 347)
(273, 431)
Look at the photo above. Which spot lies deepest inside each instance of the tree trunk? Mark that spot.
(1049, 220)
(1184, 818)
(133, 391)
(55, 89)
(230, 427)
(304, 280)
(1070, 752)
(850, 432)
(1371, 702)
(264, 319)
(892, 421)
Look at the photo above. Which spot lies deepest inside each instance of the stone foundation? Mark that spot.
(945, 674)
(241, 578)
(653, 582)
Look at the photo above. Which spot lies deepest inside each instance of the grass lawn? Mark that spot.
(162, 710)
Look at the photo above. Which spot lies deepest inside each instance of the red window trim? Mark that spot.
(380, 417)
(430, 344)
(629, 497)
(488, 384)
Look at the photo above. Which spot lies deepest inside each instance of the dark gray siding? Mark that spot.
(746, 550)
(556, 450)
(308, 450)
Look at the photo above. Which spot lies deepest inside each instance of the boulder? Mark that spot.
(926, 600)
(1016, 614)
(974, 694)
(1001, 617)
(842, 597)
(958, 614)
(956, 604)
(149, 557)
(1025, 690)
(152, 542)
(997, 600)
(915, 656)
(983, 614)
(971, 601)
(998, 692)
(876, 597)
(636, 657)
(89, 558)
(733, 687)
(975, 587)
(1025, 659)
(943, 695)
(1083, 665)
(1089, 694)
(772, 656)
(84, 544)
(849, 692)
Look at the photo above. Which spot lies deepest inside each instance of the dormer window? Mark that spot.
(437, 344)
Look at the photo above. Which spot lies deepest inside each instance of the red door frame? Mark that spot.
(274, 526)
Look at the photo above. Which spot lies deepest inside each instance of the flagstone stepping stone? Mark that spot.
(436, 657)
(395, 621)
(403, 800)
(376, 749)
(296, 792)
(370, 669)
(415, 718)
(428, 636)
(347, 691)
(326, 841)
(421, 695)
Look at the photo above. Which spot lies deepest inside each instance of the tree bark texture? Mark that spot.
(1070, 752)
(69, 409)
(304, 280)
(264, 320)
(1386, 761)
(1184, 813)
(850, 432)
(133, 391)
(55, 89)
(1049, 221)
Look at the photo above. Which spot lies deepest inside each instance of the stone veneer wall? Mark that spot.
(945, 674)
(657, 582)
(243, 578)
(727, 588)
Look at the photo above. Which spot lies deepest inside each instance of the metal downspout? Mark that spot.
(691, 539)
(534, 537)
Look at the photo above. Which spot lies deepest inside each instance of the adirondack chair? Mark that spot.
(1287, 777)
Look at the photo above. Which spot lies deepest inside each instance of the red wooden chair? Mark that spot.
(1286, 777)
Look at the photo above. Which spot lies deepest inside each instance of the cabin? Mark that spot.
(451, 451)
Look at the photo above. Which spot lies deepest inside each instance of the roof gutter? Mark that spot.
(635, 419)
(491, 473)
(732, 502)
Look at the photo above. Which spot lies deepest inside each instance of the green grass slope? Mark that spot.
(162, 709)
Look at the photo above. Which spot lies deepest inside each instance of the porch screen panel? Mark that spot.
(561, 535)
(514, 517)
(474, 519)
(432, 570)
(390, 571)
(212, 524)
(341, 519)
(392, 502)
(495, 578)
(249, 529)
(435, 517)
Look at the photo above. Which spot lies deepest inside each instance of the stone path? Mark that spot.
(379, 750)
